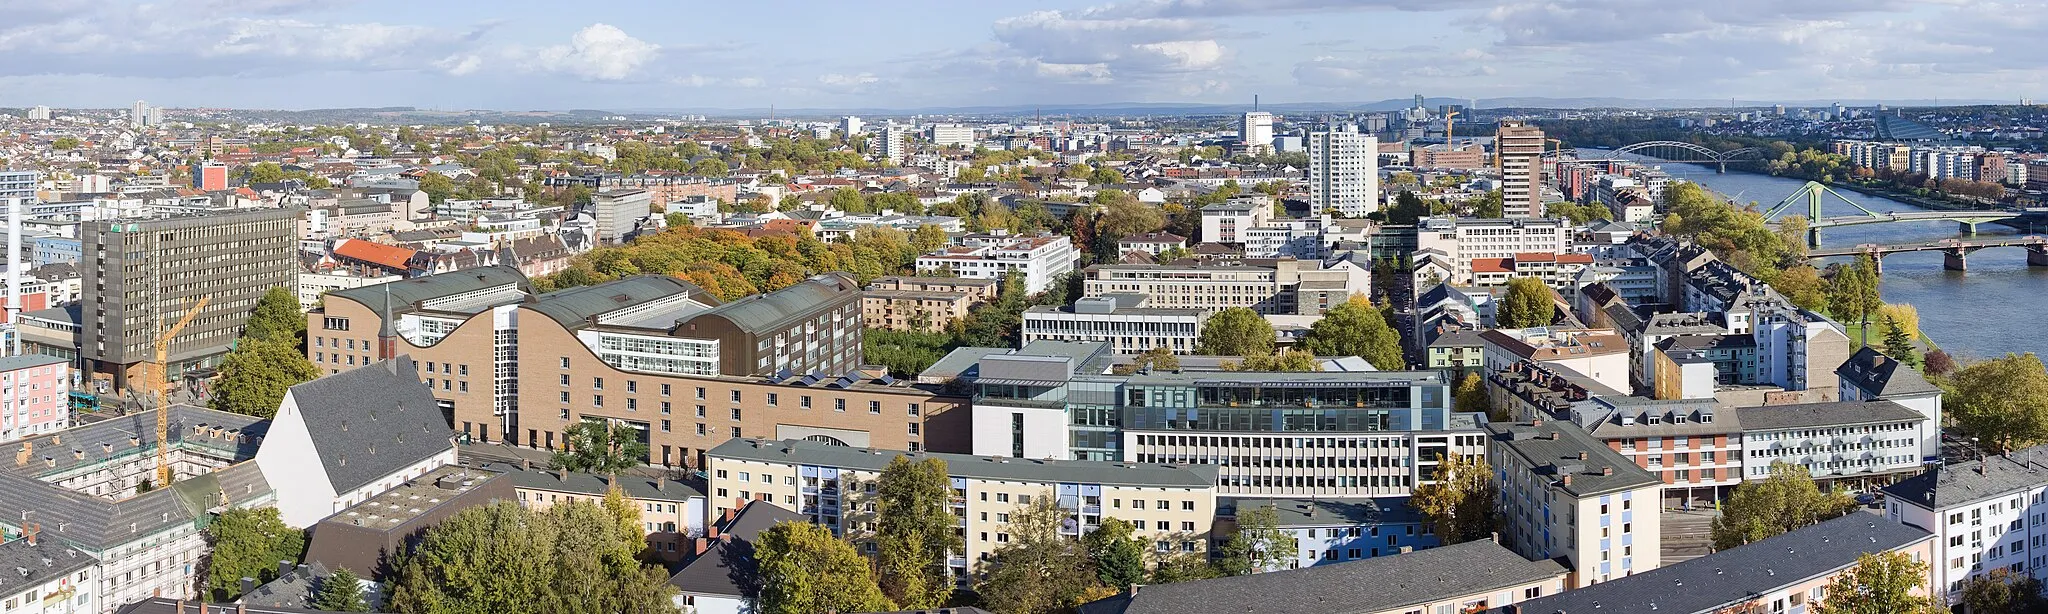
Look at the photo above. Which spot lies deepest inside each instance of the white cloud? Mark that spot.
(460, 64)
(838, 80)
(600, 51)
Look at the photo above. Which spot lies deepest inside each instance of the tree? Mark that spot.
(1897, 344)
(1237, 331)
(340, 591)
(1459, 499)
(1259, 544)
(64, 143)
(1158, 358)
(2002, 592)
(914, 535)
(1183, 567)
(1488, 205)
(248, 543)
(1126, 216)
(1787, 500)
(255, 375)
(598, 446)
(1880, 583)
(1802, 285)
(2002, 402)
(1471, 396)
(1356, 328)
(1528, 303)
(576, 557)
(1897, 316)
(1119, 558)
(1852, 295)
(928, 238)
(437, 186)
(1938, 363)
(1036, 572)
(266, 172)
(1292, 360)
(804, 569)
(277, 318)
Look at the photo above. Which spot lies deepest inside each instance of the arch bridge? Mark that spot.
(1955, 252)
(1680, 151)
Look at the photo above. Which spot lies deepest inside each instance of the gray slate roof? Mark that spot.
(1883, 376)
(370, 422)
(1966, 482)
(25, 361)
(1370, 585)
(1737, 575)
(635, 486)
(573, 308)
(728, 567)
(24, 566)
(765, 313)
(801, 452)
(1551, 448)
(1833, 413)
(407, 292)
(1329, 512)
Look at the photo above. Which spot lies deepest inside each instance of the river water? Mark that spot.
(1979, 313)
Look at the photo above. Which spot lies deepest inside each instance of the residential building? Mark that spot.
(314, 285)
(1599, 354)
(922, 303)
(889, 144)
(1565, 495)
(1467, 577)
(48, 577)
(1870, 375)
(1317, 434)
(850, 126)
(1225, 222)
(672, 513)
(141, 275)
(1331, 531)
(1462, 350)
(651, 353)
(1170, 506)
(1343, 171)
(1464, 241)
(342, 439)
(952, 135)
(715, 580)
(1785, 573)
(1446, 156)
(1040, 260)
(35, 395)
(1851, 444)
(1985, 514)
(618, 210)
(1121, 320)
(1300, 238)
(20, 184)
(1274, 287)
(1519, 150)
(209, 176)
(88, 487)
(1696, 451)
(1153, 243)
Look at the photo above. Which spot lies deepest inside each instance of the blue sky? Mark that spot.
(530, 54)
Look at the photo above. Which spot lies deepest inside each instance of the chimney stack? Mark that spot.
(1606, 471)
(1567, 480)
(703, 544)
(1582, 455)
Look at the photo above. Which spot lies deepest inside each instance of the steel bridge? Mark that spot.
(1955, 252)
(1813, 193)
(1680, 151)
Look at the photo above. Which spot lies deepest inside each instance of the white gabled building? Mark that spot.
(1040, 259)
(341, 439)
(1986, 514)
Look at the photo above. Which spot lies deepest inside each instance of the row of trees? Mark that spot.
(1355, 328)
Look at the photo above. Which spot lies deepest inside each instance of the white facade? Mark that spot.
(1257, 129)
(1343, 171)
(1127, 330)
(1985, 515)
(1835, 450)
(889, 144)
(312, 285)
(618, 210)
(1600, 513)
(1466, 239)
(1226, 223)
(952, 135)
(998, 425)
(1041, 260)
(1289, 238)
(298, 475)
(850, 125)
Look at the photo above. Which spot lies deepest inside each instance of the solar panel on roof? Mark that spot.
(784, 375)
(842, 382)
(885, 380)
(808, 380)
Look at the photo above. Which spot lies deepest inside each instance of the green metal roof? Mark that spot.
(573, 308)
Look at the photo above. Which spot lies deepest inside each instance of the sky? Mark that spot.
(686, 54)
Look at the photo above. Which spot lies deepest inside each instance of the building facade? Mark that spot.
(1041, 260)
(1565, 495)
(1985, 515)
(617, 210)
(35, 395)
(1120, 320)
(1519, 149)
(922, 303)
(1343, 171)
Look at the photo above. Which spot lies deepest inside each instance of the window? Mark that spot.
(839, 405)
(664, 426)
(735, 396)
(664, 408)
(913, 409)
(700, 429)
(565, 396)
(464, 371)
(632, 386)
(700, 393)
(463, 386)
(632, 404)
(772, 398)
(736, 433)
(804, 401)
(700, 411)
(597, 400)
(334, 323)
(597, 383)
(565, 379)
(874, 407)
(736, 413)
(913, 428)
(565, 362)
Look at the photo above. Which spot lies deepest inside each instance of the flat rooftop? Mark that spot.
(411, 499)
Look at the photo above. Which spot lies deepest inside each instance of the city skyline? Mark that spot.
(298, 54)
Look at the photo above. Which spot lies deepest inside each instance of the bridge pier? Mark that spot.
(1956, 259)
(1969, 229)
(1812, 238)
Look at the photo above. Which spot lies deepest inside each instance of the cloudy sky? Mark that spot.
(551, 54)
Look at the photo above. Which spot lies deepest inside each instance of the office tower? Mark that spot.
(1343, 171)
(209, 176)
(1519, 149)
(617, 210)
(952, 135)
(890, 144)
(1257, 129)
(141, 274)
(850, 125)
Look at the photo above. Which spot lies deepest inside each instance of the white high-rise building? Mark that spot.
(949, 135)
(39, 113)
(849, 125)
(1343, 171)
(156, 116)
(1257, 130)
(138, 115)
(889, 144)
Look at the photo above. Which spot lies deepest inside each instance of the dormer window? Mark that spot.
(1653, 419)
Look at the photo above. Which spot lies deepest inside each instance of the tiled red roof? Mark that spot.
(389, 256)
(1490, 265)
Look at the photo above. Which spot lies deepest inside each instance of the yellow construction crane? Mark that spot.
(1448, 145)
(158, 392)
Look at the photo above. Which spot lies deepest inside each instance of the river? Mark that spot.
(1967, 313)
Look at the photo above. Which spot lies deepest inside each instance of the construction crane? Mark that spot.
(1448, 115)
(161, 396)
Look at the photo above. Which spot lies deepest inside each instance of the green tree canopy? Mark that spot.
(1292, 360)
(1237, 331)
(437, 186)
(1459, 499)
(1356, 328)
(1802, 285)
(1528, 303)
(248, 543)
(340, 591)
(1038, 571)
(804, 570)
(1787, 500)
(1118, 556)
(1259, 544)
(1488, 205)
(1897, 344)
(914, 533)
(1880, 583)
(254, 376)
(2002, 592)
(266, 172)
(576, 557)
(277, 318)
(2002, 402)
(1471, 397)
(1158, 359)
(592, 446)
(64, 143)
(1853, 295)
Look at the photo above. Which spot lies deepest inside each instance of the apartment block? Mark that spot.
(1225, 222)
(922, 303)
(1462, 242)
(140, 275)
(35, 395)
(617, 211)
(1343, 171)
(1121, 320)
(1565, 495)
(1851, 444)
(671, 512)
(1171, 506)
(1518, 151)
(1273, 287)
(1331, 531)
(1985, 514)
(48, 577)
(1041, 260)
